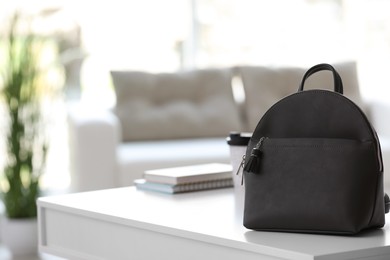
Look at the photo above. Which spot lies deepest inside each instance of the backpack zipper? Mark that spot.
(241, 166)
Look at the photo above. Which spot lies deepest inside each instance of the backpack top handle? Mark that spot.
(338, 84)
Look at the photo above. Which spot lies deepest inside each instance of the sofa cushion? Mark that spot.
(189, 104)
(264, 86)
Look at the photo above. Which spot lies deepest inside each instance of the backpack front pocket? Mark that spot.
(310, 185)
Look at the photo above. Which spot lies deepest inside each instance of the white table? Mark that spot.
(128, 224)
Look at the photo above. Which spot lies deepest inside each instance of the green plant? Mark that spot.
(22, 91)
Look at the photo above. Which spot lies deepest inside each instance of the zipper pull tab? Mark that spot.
(241, 165)
(253, 164)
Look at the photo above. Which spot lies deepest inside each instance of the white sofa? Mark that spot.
(183, 118)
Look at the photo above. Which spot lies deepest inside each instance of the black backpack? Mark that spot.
(314, 165)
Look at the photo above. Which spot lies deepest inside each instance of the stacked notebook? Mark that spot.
(187, 178)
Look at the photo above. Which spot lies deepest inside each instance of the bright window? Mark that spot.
(168, 35)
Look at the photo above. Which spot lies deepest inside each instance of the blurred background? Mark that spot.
(90, 38)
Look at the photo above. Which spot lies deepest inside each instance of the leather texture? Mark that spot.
(319, 169)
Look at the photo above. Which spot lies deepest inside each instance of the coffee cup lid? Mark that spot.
(237, 138)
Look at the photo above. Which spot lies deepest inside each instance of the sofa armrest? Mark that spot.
(380, 114)
(93, 140)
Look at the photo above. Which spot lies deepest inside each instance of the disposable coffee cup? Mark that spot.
(237, 143)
